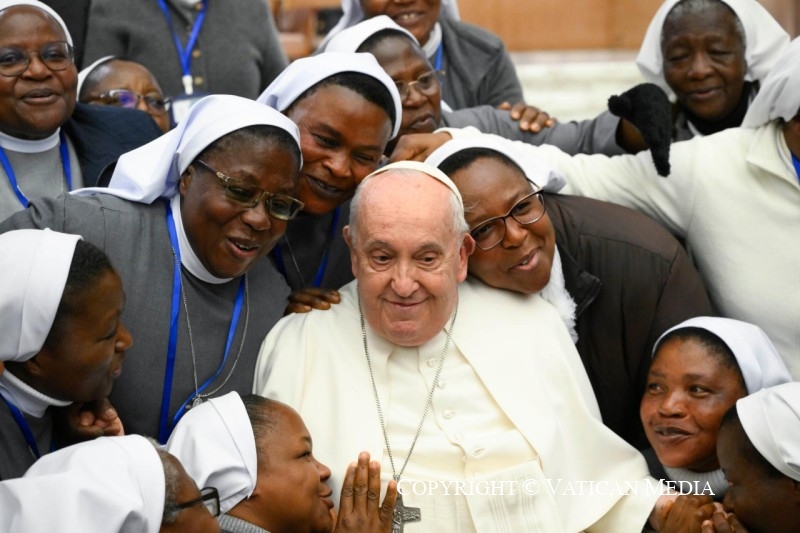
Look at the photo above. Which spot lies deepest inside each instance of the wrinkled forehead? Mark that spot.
(698, 17)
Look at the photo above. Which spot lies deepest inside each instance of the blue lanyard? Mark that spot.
(24, 427)
(796, 163)
(12, 178)
(323, 265)
(185, 54)
(438, 63)
(164, 426)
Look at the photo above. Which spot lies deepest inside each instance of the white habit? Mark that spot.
(512, 405)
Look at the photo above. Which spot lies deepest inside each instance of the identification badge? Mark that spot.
(182, 103)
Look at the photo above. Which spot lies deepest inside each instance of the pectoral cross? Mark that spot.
(404, 515)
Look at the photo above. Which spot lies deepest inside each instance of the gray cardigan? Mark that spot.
(231, 524)
(238, 50)
(593, 136)
(478, 69)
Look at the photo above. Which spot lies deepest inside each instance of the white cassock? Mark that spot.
(513, 417)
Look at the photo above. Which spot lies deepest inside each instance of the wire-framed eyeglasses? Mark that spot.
(208, 497)
(528, 210)
(427, 84)
(279, 206)
(130, 100)
(57, 55)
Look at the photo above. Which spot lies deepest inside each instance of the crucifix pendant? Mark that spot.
(404, 515)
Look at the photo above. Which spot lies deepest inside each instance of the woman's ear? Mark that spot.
(186, 177)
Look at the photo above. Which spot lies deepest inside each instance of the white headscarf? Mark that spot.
(349, 39)
(352, 14)
(34, 265)
(83, 74)
(153, 171)
(766, 39)
(534, 169)
(108, 485)
(304, 73)
(44, 7)
(214, 441)
(779, 96)
(771, 419)
(758, 359)
(545, 177)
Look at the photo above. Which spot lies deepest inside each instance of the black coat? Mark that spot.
(101, 134)
(631, 281)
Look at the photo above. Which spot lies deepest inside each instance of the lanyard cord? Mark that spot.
(323, 265)
(185, 54)
(24, 427)
(12, 177)
(166, 425)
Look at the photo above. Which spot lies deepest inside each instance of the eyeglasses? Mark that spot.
(57, 55)
(130, 100)
(208, 497)
(426, 84)
(279, 206)
(528, 210)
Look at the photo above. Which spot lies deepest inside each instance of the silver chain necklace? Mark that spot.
(294, 260)
(402, 514)
(198, 398)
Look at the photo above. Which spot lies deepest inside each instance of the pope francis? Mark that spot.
(473, 398)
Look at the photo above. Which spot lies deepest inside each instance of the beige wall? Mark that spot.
(581, 24)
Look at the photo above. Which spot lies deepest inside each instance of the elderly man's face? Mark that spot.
(407, 256)
(38, 101)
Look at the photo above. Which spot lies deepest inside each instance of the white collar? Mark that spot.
(188, 258)
(15, 144)
(715, 479)
(556, 293)
(434, 40)
(27, 399)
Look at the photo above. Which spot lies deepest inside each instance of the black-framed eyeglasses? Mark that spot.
(528, 210)
(279, 206)
(57, 55)
(130, 100)
(427, 84)
(208, 497)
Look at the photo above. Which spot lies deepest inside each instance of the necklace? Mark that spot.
(294, 260)
(323, 264)
(402, 514)
(199, 398)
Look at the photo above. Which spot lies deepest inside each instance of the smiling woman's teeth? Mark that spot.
(243, 247)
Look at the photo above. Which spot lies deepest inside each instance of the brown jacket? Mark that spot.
(631, 281)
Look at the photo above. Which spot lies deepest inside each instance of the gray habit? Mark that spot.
(135, 237)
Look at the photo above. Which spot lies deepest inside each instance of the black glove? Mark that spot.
(647, 107)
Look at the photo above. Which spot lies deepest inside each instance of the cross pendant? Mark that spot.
(404, 515)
